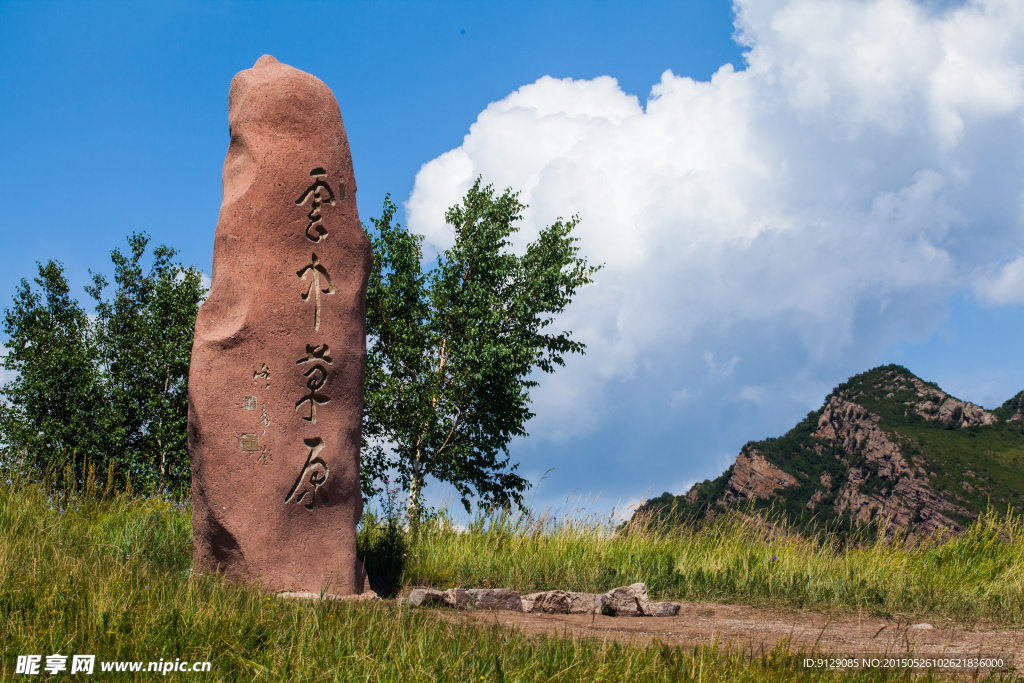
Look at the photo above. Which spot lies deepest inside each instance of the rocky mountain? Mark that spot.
(885, 447)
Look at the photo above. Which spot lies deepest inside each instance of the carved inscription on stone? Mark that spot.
(262, 374)
(251, 442)
(320, 193)
(310, 482)
(316, 377)
(316, 271)
(311, 478)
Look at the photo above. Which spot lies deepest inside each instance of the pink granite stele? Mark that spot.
(276, 381)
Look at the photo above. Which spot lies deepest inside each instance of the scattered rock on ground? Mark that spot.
(425, 597)
(563, 602)
(458, 598)
(495, 598)
(546, 602)
(585, 603)
(624, 601)
(308, 595)
(660, 609)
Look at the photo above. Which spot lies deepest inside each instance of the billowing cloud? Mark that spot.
(796, 215)
(1006, 286)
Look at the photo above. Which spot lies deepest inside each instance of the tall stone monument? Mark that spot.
(276, 381)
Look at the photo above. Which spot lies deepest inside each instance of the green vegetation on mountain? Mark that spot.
(886, 448)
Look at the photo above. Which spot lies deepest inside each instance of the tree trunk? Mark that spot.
(162, 469)
(415, 486)
(414, 508)
(414, 496)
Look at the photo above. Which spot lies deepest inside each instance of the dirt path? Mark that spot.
(751, 629)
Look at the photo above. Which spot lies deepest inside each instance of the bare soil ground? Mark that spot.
(757, 630)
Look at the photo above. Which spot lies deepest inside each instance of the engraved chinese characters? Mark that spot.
(276, 383)
(312, 477)
(320, 283)
(316, 377)
(316, 194)
(317, 357)
(316, 271)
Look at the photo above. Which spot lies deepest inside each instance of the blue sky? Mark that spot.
(783, 193)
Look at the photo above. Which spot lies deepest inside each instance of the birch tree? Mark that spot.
(451, 351)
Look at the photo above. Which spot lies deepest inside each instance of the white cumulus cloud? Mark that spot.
(1007, 284)
(804, 211)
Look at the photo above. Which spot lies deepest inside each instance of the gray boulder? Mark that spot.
(549, 602)
(426, 597)
(527, 601)
(586, 603)
(562, 602)
(625, 600)
(457, 597)
(495, 598)
(660, 609)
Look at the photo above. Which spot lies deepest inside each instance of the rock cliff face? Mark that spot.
(935, 404)
(885, 448)
(851, 429)
(755, 477)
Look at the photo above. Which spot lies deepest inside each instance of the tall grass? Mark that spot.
(976, 575)
(81, 574)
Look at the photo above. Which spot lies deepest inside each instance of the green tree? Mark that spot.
(450, 351)
(144, 335)
(48, 411)
(111, 391)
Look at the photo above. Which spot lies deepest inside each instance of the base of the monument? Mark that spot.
(306, 595)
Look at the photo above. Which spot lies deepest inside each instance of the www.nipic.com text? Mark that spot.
(31, 665)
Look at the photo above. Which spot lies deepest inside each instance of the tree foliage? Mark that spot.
(111, 391)
(451, 350)
(49, 409)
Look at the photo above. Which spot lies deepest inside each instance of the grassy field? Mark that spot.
(977, 576)
(81, 575)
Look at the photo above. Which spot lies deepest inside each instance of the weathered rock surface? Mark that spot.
(755, 477)
(563, 602)
(546, 602)
(276, 380)
(660, 609)
(458, 598)
(585, 603)
(425, 597)
(306, 595)
(910, 500)
(625, 601)
(495, 598)
(633, 601)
